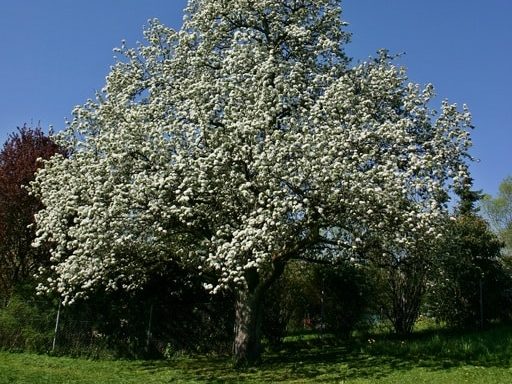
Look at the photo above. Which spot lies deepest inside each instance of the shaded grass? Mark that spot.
(430, 356)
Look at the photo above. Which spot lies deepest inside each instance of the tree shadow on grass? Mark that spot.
(326, 360)
(379, 357)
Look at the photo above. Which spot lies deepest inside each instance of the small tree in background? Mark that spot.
(18, 164)
(401, 280)
(470, 285)
(498, 210)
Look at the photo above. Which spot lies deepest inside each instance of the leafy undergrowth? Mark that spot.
(427, 357)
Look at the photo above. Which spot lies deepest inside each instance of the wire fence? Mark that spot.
(110, 330)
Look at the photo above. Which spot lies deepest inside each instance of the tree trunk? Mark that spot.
(248, 318)
(249, 315)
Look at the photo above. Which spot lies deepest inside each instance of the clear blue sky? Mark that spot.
(55, 54)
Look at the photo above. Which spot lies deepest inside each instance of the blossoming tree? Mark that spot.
(239, 143)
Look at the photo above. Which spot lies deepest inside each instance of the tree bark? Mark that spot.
(248, 317)
(249, 314)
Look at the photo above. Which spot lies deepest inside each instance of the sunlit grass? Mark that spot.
(430, 356)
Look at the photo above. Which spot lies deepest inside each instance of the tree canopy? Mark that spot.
(238, 143)
(499, 211)
(18, 164)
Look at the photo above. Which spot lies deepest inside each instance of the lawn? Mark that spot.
(428, 357)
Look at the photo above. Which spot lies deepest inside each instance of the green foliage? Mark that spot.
(468, 198)
(285, 303)
(343, 297)
(498, 210)
(164, 315)
(26, 324)
(469, 262)
(335, 299)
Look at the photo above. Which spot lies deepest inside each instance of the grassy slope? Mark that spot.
(427, 358)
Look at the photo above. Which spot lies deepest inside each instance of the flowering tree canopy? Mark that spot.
(240, 142)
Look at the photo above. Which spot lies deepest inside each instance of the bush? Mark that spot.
(166, 314)
(469, 262)
(401, 283)
(26, 325)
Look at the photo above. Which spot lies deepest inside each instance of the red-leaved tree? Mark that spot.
(19, 159)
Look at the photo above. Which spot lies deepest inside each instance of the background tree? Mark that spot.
(498, 210)
(285, 305)
(470, 285)
(241, 143)
(341, 297)
(402, 278)
(18, 164)
(333, 298)
(469, 269)
(404, 274)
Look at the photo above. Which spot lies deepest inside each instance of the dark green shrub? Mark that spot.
(26, 324)
(470, 280)
(171, 312)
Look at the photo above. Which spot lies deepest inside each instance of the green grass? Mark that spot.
(430, 356)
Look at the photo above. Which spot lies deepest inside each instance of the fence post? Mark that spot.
(481, 302)
(56, 326)
(148, 338)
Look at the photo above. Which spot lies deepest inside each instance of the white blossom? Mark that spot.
(242, 139)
